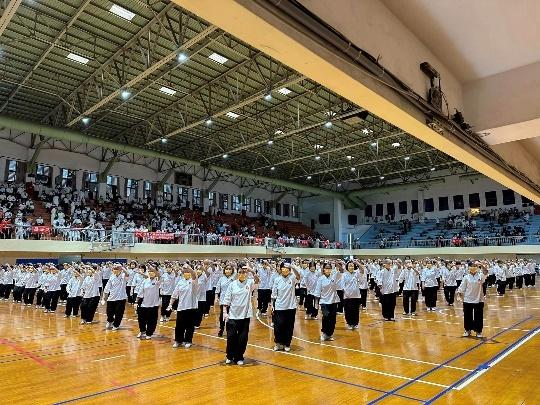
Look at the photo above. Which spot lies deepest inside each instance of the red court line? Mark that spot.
(26, 353)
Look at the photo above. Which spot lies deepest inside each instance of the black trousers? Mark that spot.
(7, 290)
(501, 287)
(533, 279)
(328, 324)
(519, 282)
(165, 300)
(28, 295)
(410, 298)
(473, 316)
(39, 297)
(88, 308)
(183, 332)
(263, 299)
(363, 297)
(18, 293)
(491, 279)
(449, 293)
(210, 299)
(197, 317)
(510, 282)
(50, 300)
(351, 307)
(301, 293)
(148, 318)
(237, 338)
(388, 302)
(128, 292)
(430, 295)
(63, 292)
(221, 321)
(115, 312)
(104, 282)
(309, 304)
(284, 326)
(72, 305)
(458, 282)
(340, 303)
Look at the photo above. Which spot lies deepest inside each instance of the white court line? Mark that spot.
(109, 358)
(368, 352)
(459, 323)
(494, 362)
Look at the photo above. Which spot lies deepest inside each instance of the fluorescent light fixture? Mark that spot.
(317, 157)
(330, 113)
(407, 158)
(216, 57)
(273, 168)
(85, 120)
(232, 115)
(278, 132)
(339, 184)
(349, 157)
(432, 169)
(225, 156)
(167, 90)
(268, 95)
(382, 177)
(373, 144)
(308, 177)
(367, 131)
(328, 124)
(270, 142)
(284, 90)
(353, 169)
(318, 146)
(78, 58)
(209, 121)
(125, 94)
(396, 144)
(182, 57)
(163, 140)
(122, 12)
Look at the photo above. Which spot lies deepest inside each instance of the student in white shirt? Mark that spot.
(202, 280)
(115, 296)
(500, 273)
(221, 290)
(326, 293)
(52, 290)
(301, 290)
(284, 306)
(74, 298)
(470, 290)
(238, 312)
(186, 295)
(310, 278)
(448, 276)
(410, 277)
(90, 294)
(387, 281)
(30, 285)
(265, 271)
(350, 283)
(430, 285)
(168, 283)
(148, 305)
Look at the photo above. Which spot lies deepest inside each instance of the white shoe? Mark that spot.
(115, 328)
(187, 345)
(350, 327)
(277, 348)
(108, 325)
(227, 361)
(240, 362)
(139, 335)
(323, 337)
(287, 349)
(314, 318)
(146, 337)
(83, 322)
(355, 327)
(197, 327)
(479, 335)
(162, 319)
(176, 344)
(466, 333)
(65, 316)
(414, 314)
(307, 317)
(330, 338)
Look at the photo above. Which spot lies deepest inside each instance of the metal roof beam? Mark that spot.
(8, 14)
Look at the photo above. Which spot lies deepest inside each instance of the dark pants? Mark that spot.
(458, 282)
(309, 304)
(221, 321)
(18, 293)
(148, 318)
(491, 279)
(72, 306)
(519, 282)
(39, 297)
(88, 308)
(501, 287)
(449, 292)
(104, 282)
(352, 311)
(63, 292)
(28, 295)
(237, 338)
(165, 301)
(130, 297)
(263, 299)
(340, 303)
(7, 290)
(410, 298)
(284, 326)
(430, 295)
(473, 316)
(115, 312)
(183, 332)
(363, 298)
(484, 287)
(210, 299)
(301, 294)
(533, 279)
(197, 317)
(510, 282)
(50, 301)
(388, 302)
(328, 324)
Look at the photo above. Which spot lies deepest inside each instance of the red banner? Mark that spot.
(160, 236)
(4, 225)
(45, 230)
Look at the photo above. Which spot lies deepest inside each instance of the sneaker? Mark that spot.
(405, 313)
(83, 322)
(466, 333)
(66, 316)
(139, 335)
(414, 314)
(197, 327)
(307, 317)
(227, 361)
(220, 333)
(176, 344)
(108, 325)
(330, 338)
(162, 319)
(146, 337)
(187, 345)
(323, 337)
(355, 326)
(115, 328)
(314, 318)
(350, 327)
(287, 349)
(277, 348)
(479, 335)
(240, 362)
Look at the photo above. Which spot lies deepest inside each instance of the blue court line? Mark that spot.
(161, 377)
(318, 375)
(414, 380)
(484, 365)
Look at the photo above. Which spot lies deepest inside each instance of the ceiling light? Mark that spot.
(182, 57)
(268, 95)
(225, 156)
(278, 132)
(232, 115)
(353, 169)
(367, 131)
(328, 124)
(163, 140)
(317, 146)
(373, 144)
(167, 90)
(125, 94)
(85, 120)
(273, 168)
(270, 142)
(339, 184)
(308, 177)
(330, 113)
(285, 91)
(122, 12)
(382, 177)
(407, 158)
(209, 121)
(349, 157)
(317, 157)
(78, 58)
(216, 57)
(396, 144)
(432, 169)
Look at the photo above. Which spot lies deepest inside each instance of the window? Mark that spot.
(112, 185)
(286, 210)
(278, 209)
(148, 189)
(352, 219)
(183, 194)
(324, 219)
(235, 202)
(379, 208)
(294, 211)
(67, 177)
(212, 199)
(474, 200)
(167, 192)
(443, 204)
(247, 204)
(368, 211)
(509, 198)
(526, 202)
(458, 202)
(403, 207)
(132, 189)
(414, 206)
(491, 198)
(258, 206)
(44, 175)
(391, 209)
(196, 197)
(429, 206)
(90, 182)
(13, 171)
(267, 208)
(224, 201)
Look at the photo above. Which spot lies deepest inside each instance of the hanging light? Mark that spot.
(86, 120)
(209, 121)
(182, 57)
(125, 94)
(163, 140)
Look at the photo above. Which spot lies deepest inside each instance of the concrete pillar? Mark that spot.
(3, 169)
(338, 219)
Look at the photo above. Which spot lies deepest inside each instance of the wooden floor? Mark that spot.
(45, 358)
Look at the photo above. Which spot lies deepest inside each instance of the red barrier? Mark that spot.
(160, 236)
(44, 230)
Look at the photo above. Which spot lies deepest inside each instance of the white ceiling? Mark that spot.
(475, 38)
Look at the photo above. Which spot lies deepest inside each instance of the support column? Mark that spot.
(338, 219)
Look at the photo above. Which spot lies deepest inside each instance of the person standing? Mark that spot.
(470, 291)
(310, 279)
(327, 296)
(74, 297)
(449, 276)
(221, 290)
(410, 277)
(52, 290)
(90, 294)
(186, 295)
(30, 286)
(147, 305)
(114, 294)
(389, 286)
(284, 306)
(429, 285)
(202, 279)
(237, 314)
(264, 292)
(168, 283)
(350, 283)
(500, 273)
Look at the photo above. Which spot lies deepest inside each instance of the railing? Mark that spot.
(453, 242)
